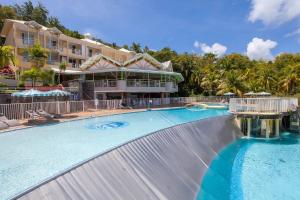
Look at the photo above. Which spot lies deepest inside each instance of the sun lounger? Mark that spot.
(124, 106)
(9, 122)
(45, 114)
(33, 114)
(3, 125)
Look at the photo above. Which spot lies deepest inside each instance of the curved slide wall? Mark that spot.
(167, 164)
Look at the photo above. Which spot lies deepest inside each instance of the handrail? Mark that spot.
(263, 105)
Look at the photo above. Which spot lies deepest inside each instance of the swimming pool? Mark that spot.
(255, 169)
(29, 156)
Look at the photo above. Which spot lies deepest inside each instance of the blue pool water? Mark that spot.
(32, 155)
(255, 169)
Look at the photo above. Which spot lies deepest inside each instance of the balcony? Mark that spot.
(75, 51)
(135, 85)
(24, 43)
(63, 50)
(73, 65)
(263, 106)
(52, 47)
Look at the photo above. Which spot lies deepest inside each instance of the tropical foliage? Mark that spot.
(203, 74)
(37, 56)
(62, 67)
(209, 75)
(6, 56)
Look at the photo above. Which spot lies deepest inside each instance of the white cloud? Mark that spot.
(295, 34)
(274, 11)
(216, 48)
(259, 49)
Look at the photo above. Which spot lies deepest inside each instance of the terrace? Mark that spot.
(262, 106)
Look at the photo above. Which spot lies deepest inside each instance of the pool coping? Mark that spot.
(74, 166)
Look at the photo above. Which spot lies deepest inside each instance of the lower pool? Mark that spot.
(255, 169)
(29, 156)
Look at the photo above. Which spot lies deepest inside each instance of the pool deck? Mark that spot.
(82, 115)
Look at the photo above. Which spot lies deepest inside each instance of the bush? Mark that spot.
(2, 84)
(21, 84)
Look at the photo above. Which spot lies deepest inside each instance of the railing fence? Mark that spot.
(18, 110)
(267, 105)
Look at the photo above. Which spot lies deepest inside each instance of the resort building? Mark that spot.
(94, 70)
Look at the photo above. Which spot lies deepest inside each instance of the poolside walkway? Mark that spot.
(82, 115)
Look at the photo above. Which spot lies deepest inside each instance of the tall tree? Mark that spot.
(266, 76)
(25, 10)
(291, 81)
(136, 47)
(62, 67)
(231, 83)
(6, 12)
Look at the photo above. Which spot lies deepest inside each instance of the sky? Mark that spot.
(260, 29)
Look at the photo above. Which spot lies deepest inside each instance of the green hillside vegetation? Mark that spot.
(204, 74)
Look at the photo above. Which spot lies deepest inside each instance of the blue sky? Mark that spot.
(259, 28)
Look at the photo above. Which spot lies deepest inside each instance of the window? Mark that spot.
(90, 52)
(27, 38)
(73, 62)
(54, 43)
(73, 47)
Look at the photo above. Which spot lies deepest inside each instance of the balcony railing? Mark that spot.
(28, 42)
(262, 105)
(106, 83)
(135, 85)
(52, 47)
(76, 51)
(145, 83)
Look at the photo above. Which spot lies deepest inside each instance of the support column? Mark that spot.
(268, 128)
(277, 127)
(248, 127)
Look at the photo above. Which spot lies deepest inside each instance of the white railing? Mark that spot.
(145, 83)
(262, 105)
(106, 83)
(18, 110)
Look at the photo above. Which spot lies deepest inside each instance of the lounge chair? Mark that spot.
(9, 122)
(33, 114)
(3, 125)
(45, 114)
(124, 106)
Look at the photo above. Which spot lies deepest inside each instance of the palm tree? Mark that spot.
(266, 76)
(136, 47)
(210, 82)
(231, 83)
(6, 56)
(62, 67)
(290, 80)
(37, 56)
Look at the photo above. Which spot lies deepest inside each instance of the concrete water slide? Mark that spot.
(167, 164)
